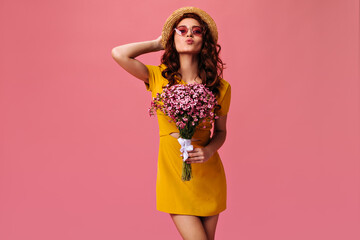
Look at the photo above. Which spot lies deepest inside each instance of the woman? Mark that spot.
(191, 55)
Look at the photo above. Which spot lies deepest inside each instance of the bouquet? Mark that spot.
(186, 105)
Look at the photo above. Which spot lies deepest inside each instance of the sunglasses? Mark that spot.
(183, 30)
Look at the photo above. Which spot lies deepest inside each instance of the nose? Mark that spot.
(189, 32)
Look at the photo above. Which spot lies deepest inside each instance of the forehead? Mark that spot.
(189, 22)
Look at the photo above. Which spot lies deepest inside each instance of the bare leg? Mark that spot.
(189, 227)
(209, 224)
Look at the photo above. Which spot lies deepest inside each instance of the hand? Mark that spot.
(158, 43)
(199, 155)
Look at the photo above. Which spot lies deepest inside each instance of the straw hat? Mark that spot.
(177, 14)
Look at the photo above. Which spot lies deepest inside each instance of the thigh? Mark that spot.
(209, 224)
(189, 227)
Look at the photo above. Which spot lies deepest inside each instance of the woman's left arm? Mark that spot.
(200, 155)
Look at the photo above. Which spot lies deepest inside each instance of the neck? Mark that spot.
(189, 67)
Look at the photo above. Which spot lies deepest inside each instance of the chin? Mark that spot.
(189, 49)
(193, 51)
(188, 52)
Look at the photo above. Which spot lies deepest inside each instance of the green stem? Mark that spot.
(186, 172)
(187, 132)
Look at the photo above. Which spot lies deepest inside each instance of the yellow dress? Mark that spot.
(205, 193)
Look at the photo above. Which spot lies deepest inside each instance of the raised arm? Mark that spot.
(125, 56)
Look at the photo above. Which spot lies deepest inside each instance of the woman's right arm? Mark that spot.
(125, 55)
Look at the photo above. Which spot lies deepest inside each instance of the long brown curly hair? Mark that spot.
(210, 67)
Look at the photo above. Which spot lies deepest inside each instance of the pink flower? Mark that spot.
(186, 105)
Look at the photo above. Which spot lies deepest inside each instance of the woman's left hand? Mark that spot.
(199, 155)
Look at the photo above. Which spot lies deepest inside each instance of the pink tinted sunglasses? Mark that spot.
(183, 30)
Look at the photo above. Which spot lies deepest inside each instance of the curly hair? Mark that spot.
(210, 65)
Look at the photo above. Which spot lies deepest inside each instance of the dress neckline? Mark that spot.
(181, 80)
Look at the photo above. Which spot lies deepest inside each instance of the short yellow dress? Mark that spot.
(205, 193)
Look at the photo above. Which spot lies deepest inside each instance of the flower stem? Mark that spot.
(186, 172)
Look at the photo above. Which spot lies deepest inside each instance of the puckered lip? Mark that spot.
(189, 40)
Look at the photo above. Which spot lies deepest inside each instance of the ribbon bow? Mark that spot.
(185, 147)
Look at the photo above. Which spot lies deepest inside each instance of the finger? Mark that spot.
(195, 154)
(194, 159)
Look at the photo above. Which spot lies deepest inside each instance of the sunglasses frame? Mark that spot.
(191, 29)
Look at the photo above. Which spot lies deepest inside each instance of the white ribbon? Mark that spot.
(185, 147)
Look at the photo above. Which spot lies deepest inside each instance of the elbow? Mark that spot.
(115, 53)
(221, 132)
(118, 55)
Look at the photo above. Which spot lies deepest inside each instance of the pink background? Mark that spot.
(78, 150)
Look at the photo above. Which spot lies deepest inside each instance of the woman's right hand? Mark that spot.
(158, 42)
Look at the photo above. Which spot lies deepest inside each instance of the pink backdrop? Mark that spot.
(78, 150)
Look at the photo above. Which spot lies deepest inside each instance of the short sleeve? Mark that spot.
(152, 77)
(224, 102)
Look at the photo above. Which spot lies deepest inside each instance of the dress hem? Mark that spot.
(192, 214)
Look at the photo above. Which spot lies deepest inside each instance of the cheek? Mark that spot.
(177, 42)
(199, 45)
